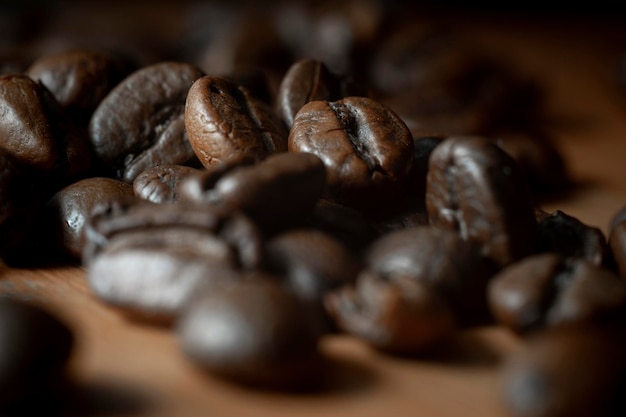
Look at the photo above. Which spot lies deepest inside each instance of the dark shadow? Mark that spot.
(74, 399)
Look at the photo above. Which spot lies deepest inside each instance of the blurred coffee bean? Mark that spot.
(310, 80)
(417, 286)
(545, 290)
(569, 237)
(568, 371)
(253, 332)
(148, 260)
(477, 190)
(34, 350)
(79, 79)
(276, 192)
(366, 147)
(224, 122)
(140, 123)
(617, 241)
(160, 183)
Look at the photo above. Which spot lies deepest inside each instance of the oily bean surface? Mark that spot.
(160, 183)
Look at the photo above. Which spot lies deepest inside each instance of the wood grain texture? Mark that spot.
(126, 368)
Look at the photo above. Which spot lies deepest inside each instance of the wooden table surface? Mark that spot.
(125, 368)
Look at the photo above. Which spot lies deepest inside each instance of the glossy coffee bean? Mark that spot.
(310, 80)
(568, 371)
(366, 147)
(34, 349)
(545, 290)
(477, 190)
(418, 285)
(253, 332)
(148, 260)
(225, 122)
(160, 183)
(79, 79)
(569, 237)
(276, 192)
(65, 214)
(140, 123)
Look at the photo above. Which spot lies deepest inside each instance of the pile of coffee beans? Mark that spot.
(265, 183)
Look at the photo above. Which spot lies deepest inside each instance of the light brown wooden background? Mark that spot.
(130, 369)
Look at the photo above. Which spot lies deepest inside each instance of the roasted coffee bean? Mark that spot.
(140, 123)
(27, 129)
(343, 223)
(476, 189)
(568, 371)
(160, 183)
(253, 332)
(569, 237)
(404, 220)
(276, 192)
(79, 79)
(538, 158)
(418, 285)
(225, 122)
(366, 147)
(313, 262)
(65, 214)
(310, 80)
(34, 349)
(545, 290)
(149, 259)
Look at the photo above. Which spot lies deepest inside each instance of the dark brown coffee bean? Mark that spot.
(149, 259)
(225, 122)
(569, 237)
(546, 290)
(253, 332)
(140, 123)
(276, 192)
(617, 241)
(366, 147)
(27, 128)
(568, 371)
(160, 183)
(313, 262)
(79, 79)
(476, 189)
(310, 80)
(65, 214)
(34, 349)
(418, 285)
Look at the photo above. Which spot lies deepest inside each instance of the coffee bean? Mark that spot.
(569, 237)
(253, 332)
(225, 122)
(79, 79)
(546, 290)
(313, 262)
(140, 123)
(148, 260)
(617, 241)
(476, 189)
(310, 80)
(65, 214)
(568, 371)
(418, 285)
(34, 349)
(366, 147)
(276, 192)
(160, 183)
